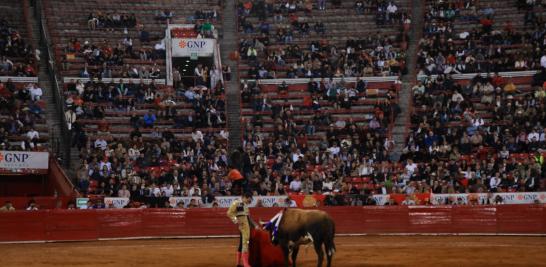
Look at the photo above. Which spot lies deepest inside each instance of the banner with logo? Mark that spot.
(174, 201)
(381, 200)
(485, 198)
(116, 202)
(308, 201)
(24, 162)
(191, 47)
(81, 202)
(225, 202)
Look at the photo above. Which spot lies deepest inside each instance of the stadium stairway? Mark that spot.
(229, 44)
(52, 112)
(399, 131)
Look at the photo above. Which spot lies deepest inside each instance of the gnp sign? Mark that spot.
(186, 47)
(23, 162)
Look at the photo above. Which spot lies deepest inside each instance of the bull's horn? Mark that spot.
(261, 222)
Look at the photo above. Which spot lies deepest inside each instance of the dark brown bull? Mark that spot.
(297, 227)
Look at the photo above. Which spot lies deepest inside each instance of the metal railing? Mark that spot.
(65, 140)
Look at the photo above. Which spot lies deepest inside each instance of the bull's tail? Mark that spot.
(330, 245)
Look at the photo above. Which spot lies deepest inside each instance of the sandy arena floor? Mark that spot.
(440, 251)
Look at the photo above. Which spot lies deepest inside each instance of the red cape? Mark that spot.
(262, 253)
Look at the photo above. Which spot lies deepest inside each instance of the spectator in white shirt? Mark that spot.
(197, 136)
(156, 191)
(543, 61)
(365, 169)
(123, 192)
(167, 190)
(296, 156)
(35, 92)
(334, 149)
(392, 8)
(494, 182)
(101, 143)
(195, 191)
(533, 136)
(411, 167)
(391, 11)
(477, 122)
(33, 136)
(295, 185)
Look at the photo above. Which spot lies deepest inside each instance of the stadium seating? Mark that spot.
(490, 37)
(16, 52)
(320, 91)
(22, 120)
(116, 113)
(296, 39)
(474, 127)
(71, 33)
(23, 125)
(306, 127)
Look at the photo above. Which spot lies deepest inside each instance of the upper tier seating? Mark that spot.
(281, 39)
(133, 41)
(16, 52)
(484, 36)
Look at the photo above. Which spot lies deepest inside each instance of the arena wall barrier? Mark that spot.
(64, 225)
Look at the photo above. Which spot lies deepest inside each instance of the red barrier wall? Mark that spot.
(55, 225)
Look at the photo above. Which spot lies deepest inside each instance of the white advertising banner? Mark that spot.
(117, 202)
(381, 200)
(23, 161)
(173, 201)
(225, 202)
(260, 201)
(508, 198)
(188, 47)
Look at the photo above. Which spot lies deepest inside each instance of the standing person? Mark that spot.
(177, 78)
(214, 78)
(237, 181)
(227, 73)
(239, 214)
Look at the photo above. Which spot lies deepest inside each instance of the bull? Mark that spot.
(294, 227)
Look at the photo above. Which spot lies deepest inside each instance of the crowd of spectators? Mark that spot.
(378, 54)
(111, 20)
(17, 58)
(484, 136)
(490, 43)
(106, 60)
(21, 110)
(150, 157)
(315, 154)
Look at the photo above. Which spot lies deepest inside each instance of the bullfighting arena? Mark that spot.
(351, 251)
